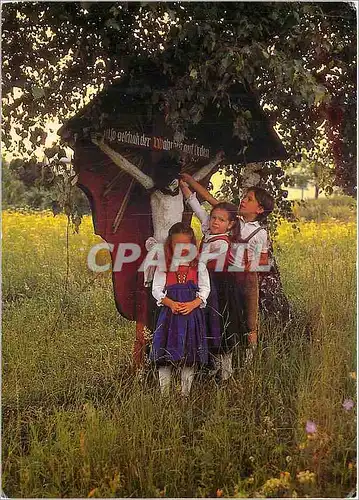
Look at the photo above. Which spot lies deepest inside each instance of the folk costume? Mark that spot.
(224, 311)
(178, 338)
(248, 256)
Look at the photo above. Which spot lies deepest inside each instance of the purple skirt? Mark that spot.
(177, 337)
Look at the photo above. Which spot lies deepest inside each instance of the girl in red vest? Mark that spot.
(180, 337)
(224, 311)
(248, 255)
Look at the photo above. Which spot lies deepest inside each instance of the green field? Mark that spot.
(78, 423)
(293, 193)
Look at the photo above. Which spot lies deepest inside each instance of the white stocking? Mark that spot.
(164, 375)
(187, 375)
(216, 360)
(226, 362)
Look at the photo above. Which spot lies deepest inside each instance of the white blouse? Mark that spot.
(159, 283)
(218, 247)
(255, 246)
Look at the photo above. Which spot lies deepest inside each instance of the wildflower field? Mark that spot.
(76, 422)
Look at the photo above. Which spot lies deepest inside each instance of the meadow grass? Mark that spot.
(77, 422)
(340, 208)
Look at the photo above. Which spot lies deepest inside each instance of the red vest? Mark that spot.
(175, 277)
(211, 264)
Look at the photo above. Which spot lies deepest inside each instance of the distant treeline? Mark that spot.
(30, 184)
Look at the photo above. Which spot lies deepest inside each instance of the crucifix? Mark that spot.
(167, 209)
(166, 198)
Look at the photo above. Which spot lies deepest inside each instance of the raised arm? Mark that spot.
(192, 201)
(124, 164)
(202, 191)
(207, 169)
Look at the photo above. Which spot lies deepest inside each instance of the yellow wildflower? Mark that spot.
(285, 476)
(306, 477)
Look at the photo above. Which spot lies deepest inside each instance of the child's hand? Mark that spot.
(187, 178)
(150, 243)
(185, 189)
(174, 306)
(249, 355)
(252, 341)
(187, 307)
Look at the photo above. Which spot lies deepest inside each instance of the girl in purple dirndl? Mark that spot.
(180, 336)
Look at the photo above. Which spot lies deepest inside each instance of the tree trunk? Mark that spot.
(316, 192)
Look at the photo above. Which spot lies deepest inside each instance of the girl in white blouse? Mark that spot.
(243, 268)
(180, 336)
(225, 310)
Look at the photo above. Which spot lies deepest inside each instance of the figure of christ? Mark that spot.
(167, 209)
(166, 198)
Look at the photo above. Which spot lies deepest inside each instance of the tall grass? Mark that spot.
(77, 422)
(341, 208)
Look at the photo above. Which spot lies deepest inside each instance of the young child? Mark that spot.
(254, 208)
(216, 227)
(180, 334)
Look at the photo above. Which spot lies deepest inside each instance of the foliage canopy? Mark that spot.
(299, 57)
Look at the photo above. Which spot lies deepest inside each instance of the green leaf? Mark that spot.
(112, 23)
(320, 94)
(37, 92)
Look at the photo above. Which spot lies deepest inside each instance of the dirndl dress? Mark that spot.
(178, 338)
(231, 303)
(224, 312)
(242, 291)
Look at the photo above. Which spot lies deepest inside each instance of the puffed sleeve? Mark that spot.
(199, 211)
(158, 285)
(203, 284)
(258, 250)
(219, 247)
(215, 252)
